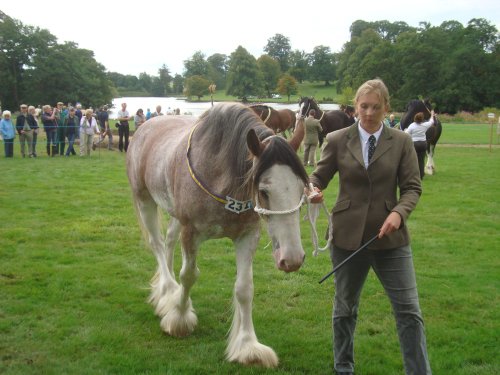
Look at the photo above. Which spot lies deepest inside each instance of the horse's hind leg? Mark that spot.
(243, 346)
(179, 318)
(429, 167)
(163, 283)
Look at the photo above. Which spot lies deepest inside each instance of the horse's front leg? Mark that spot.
(243, 346)
(180, 318)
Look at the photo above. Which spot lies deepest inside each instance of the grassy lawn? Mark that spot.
(468, 134)
(74, 277)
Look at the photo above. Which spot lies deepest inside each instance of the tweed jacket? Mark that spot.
(313, 130)
(367, 195)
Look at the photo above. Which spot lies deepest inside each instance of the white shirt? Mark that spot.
(363, 136)
(88, 126)
(417, 131)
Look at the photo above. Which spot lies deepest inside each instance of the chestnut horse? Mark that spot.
(432, 134)
(210, 175)
(278, 120)
(329, 120)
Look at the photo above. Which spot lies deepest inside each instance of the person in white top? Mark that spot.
(88, 126)
(417, 130)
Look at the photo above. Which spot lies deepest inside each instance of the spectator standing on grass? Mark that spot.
(8, 134)
(25, 126)
(71, 123)
(392, 121)
(123, 128)
(34, 113)
(61, 131)
(88, 127)
(148, 114)
(78, 114)
(103, 118)
(139, 118)
(158, 111)
(379, 187)
(50, 127)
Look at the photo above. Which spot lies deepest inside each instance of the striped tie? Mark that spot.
(371, 147)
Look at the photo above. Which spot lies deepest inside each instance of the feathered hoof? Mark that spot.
(162, 297)
(179, 323)
(253, 354)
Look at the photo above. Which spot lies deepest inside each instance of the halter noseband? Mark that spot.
(265, 211)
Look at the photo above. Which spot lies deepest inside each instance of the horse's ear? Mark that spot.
(253, 143)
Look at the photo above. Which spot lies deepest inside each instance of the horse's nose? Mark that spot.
(288, 265)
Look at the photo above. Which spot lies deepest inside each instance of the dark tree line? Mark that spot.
(456, 66)
(35, 69)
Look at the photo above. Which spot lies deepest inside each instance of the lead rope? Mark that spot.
(313, 211)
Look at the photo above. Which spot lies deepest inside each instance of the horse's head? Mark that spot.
(412, 108)
(306, 104)
(278, 181)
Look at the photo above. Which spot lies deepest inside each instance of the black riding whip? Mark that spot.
(335, 269)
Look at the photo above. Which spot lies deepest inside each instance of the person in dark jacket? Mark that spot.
(25, 126)
(50, 127)
(71, 123)
(379, 187)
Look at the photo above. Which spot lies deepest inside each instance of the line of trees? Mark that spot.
(35, 69)
(456, 66)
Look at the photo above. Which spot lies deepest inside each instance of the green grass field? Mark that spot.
(74, 278)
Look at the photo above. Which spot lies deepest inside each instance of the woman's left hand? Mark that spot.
(391, 224)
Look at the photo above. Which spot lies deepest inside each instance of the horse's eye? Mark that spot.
(264, 194)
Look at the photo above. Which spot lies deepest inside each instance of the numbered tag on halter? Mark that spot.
(237, 206)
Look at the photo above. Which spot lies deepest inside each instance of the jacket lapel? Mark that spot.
(354, 144)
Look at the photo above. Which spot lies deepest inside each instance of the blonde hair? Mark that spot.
(6, 113)
(376, 86)
(89, 111)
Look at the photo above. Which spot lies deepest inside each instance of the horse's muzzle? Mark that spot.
(289, 261)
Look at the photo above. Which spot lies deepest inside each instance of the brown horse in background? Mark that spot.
(278, 120)
(329, 120)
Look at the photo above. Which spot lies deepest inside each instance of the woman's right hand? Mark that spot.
(315, 196)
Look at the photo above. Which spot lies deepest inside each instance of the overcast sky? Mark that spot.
(131, 37)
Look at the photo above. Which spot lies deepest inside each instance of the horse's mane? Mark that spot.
(222, 135)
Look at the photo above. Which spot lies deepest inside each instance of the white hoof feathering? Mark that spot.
(251, 352)
(161, 294)
(176, 320)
